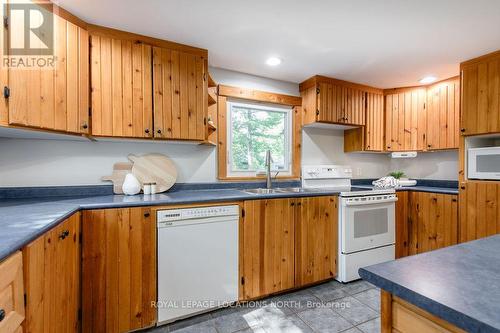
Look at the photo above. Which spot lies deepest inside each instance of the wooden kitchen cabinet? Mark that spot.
(405, 119)
(121, 88)
(480, 108)
(316, 232)
(371, 136)
(54, 98)
(267, 247)
(118, 270)
(332, 101)
(52, 279)
(287, 243)
(443, 109)
(11, 294)
(180, 95)
(402, 225)
(433, 221)
(479, 209)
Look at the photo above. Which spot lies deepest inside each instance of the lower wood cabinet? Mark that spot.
(479, 209)
(52, 279)
(118, 270)
(11, 294)
(267, 247)
(316, 226)
(402, 225)
(398, 315)
(425, 222)
(286, 243)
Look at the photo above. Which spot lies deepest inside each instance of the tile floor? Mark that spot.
(330, 307)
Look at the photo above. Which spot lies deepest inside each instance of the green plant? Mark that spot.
(397, 174)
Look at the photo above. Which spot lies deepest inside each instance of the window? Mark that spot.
(252, 130)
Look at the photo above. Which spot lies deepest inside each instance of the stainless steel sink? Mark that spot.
(295, 190)
(261, 190)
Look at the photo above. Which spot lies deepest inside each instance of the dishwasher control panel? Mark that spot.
(196, 213)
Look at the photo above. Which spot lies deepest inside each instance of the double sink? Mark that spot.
(279, 190)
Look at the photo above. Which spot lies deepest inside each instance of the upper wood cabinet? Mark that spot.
(11, 294)
(371, 136)
(405, 119)
(52, 279)
(479, 209)
(315, 239)
(118, 270)
(54, 98)
(328, 100)
(180, 95)
(480, 111)
(443, 109)
(121, 88)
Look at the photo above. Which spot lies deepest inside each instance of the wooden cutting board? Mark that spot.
(156, 168)
(120, 170)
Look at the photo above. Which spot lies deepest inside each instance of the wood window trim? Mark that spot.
(258, 96)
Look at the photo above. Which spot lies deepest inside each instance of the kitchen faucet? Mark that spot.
(269, 160)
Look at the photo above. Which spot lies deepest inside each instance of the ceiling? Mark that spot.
(384, 43)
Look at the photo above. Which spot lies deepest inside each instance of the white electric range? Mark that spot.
(366, 219)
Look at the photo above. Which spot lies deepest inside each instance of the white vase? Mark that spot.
(131, 185)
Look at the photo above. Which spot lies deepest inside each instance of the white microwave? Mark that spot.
(483, 163)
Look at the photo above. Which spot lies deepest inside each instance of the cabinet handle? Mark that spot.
(146, 131)
(64, 234)
(85, 126)
(2, 314)
(146, 214)
(6, 92)
(462, 130)
(158, 131)
(462, 187)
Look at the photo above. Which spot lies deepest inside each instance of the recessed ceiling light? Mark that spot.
(273, 61)
(428, 79)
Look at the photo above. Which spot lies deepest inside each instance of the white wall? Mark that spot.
(326, 146)
(51, 162)
(36, 162)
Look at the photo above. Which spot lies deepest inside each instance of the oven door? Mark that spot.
(367, 225)
(483, 163)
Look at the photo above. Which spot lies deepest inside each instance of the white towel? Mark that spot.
(386, 182)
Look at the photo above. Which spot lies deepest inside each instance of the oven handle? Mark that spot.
(364, 203)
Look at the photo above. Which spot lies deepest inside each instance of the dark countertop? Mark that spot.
(430, 189)
(24, 220)
(460, 284)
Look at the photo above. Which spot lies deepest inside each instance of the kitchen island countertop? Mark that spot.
(460, 284)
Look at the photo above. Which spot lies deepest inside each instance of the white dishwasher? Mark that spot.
(197, 260)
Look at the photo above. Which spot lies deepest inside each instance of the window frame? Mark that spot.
(289, 129)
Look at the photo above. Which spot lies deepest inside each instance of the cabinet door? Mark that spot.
(355, 107)
(316, 230)
(479, 210)
(267, 247)
(327, 103)
(436, 218)
(11, 294)
(442, 115)
(121, 88)
(52, 279)
(480, 96)
(405, 123)
(180, 95)
(118, 270)
(403, 225)
(54, 97)
(374, 129)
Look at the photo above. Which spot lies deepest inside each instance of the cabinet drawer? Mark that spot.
(11, 294)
